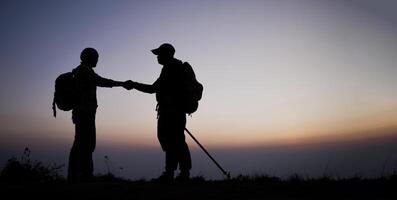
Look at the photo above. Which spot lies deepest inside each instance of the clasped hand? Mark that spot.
(128, 85)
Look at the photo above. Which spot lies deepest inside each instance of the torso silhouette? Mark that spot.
(87, 81)
(169, 87)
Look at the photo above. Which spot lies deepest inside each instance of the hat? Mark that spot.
(164, 49)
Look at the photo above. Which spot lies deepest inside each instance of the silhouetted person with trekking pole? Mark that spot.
(171, 94)
(83, 115)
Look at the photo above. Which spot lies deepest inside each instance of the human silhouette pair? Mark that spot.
(169, 89)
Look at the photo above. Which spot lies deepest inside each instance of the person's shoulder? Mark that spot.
(176, 62)
(179, 65)
(82, 70)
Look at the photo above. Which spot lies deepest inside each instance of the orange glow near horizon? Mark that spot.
(381, 124)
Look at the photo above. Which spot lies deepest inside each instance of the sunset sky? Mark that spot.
(276, 74)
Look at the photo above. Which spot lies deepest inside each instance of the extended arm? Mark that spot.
(104, 82)
(144, 87)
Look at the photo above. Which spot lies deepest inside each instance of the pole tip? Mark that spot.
(228, 175)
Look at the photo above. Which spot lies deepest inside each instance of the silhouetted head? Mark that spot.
(165, 53)
(89, 57)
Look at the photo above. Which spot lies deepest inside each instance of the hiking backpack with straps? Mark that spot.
(193, 90)
(65, 92)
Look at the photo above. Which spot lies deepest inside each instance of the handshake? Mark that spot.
(128, 85)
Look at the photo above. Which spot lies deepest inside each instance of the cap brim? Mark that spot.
(155, 51)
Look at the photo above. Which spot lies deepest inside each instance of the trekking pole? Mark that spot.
(227, 174)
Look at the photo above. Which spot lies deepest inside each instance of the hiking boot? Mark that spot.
(183, 176)
(166, 177)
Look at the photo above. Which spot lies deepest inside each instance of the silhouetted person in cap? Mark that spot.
(83, 115)
(171, 115)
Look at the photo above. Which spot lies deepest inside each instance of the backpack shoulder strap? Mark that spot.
(54, 109)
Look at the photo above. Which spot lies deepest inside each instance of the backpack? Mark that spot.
(193, 90)
(65, 92)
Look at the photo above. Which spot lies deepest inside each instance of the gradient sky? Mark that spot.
(275, 73)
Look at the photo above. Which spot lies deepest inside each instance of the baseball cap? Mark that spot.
(164, 49)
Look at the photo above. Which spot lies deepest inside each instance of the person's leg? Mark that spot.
(75, 156)
(182, 149)
(89, 147)
(73, 167)
(80, 160)
(162, 132)
(171, 163)
(184, 158)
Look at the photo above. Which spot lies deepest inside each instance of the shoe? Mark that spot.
(166, 177)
